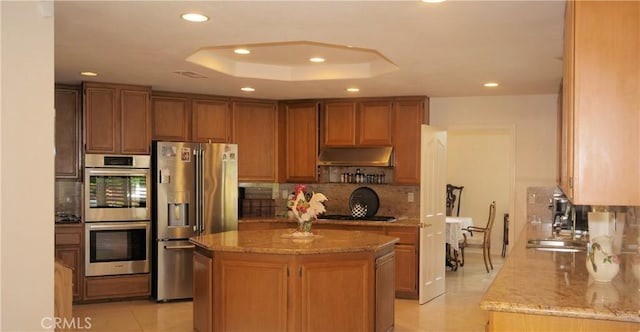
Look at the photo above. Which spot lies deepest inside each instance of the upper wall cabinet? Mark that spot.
(170, 117)
(601, 103)
(68, 132)
(116, 118)
(190, 118)
(255, 130)
(211, 120)
(301, 148)
(357, 123)
(375, 125)
(409, 115)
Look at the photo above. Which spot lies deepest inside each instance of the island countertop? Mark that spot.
(281, 241)
(558, 284)
(402, 222)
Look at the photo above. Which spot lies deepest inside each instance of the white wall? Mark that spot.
(26, 164)
(533, 119)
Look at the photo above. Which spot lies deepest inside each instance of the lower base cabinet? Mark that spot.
(509, 321)
(406, 257)
(266, 292)
(68, 250)
(122, 286)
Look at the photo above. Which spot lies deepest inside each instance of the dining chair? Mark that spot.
(453, 200)
(471, 242)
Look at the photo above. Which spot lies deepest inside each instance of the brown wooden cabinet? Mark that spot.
(117, 287)
(351, 291)
(116, 118)
(202, 292)
(68, 132)
(357, 123)
(69, 249)
(406, 266)
(301, 142)
(409, 116)
(211, 120)
(170, 117)
(601, 98)
(375, 123)
(255, 130)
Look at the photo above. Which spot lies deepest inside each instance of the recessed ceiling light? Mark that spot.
(88, 73)
(434, 1)
(317, 59)
(241, 51)
(353, 89)
(193, 17)
(248, 89)
(491, 84)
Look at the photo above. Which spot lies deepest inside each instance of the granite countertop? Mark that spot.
(280, 241)
(411, 222)
(558, 284)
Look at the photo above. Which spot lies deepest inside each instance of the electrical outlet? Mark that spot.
(285, 194)
(410, 197)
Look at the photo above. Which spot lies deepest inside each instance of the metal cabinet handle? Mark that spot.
(188, 246)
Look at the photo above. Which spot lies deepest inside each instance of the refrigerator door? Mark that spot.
(173, 168)
(175, 270)
(219, 188)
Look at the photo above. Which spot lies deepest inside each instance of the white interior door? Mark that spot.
(433, 185)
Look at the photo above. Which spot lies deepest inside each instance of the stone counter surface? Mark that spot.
(280, 241)
(412, 222)
(558, 284)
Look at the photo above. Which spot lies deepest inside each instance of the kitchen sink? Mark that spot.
(566, 245)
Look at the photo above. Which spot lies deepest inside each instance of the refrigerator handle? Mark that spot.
(198, 188)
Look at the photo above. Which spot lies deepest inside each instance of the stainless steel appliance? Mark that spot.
(116, 188)
(194, 191)
(117, 248)
(117, 214)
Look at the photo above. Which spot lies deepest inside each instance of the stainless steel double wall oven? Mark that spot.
(117, 214)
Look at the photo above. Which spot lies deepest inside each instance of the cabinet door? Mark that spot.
(566, 134)
(606, 103)
(211, 121)
(408, 117)
(170, 118)
(244, 285)
(406, 271)
(202, 292)
(255, 132)
(100, 119)
(135, 121)
(339, 285)
(339, 124)
(385, 295)
(302, 142)
(67, 132)
(375, 123)
(70, 256)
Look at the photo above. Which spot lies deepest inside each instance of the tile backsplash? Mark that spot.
(68, 197)
(394, 200)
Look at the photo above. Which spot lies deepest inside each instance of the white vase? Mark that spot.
(601, 263)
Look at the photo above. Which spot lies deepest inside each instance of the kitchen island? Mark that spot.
(552, 291)
(268, 280)
(407, 257)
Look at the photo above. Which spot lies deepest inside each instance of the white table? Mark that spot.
(453, 233)
(453, 236)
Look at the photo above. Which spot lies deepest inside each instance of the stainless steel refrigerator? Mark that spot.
(194, 191)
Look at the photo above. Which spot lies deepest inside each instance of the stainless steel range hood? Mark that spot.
(360, 156)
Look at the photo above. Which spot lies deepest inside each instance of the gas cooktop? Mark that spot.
(348, 217)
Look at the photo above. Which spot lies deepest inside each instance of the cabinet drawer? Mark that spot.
(406, 236)
(117, 286)
(68, 236)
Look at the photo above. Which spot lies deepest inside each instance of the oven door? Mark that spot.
(117, 248)
(114, 194)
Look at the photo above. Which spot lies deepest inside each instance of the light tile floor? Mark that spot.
(457, 310)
